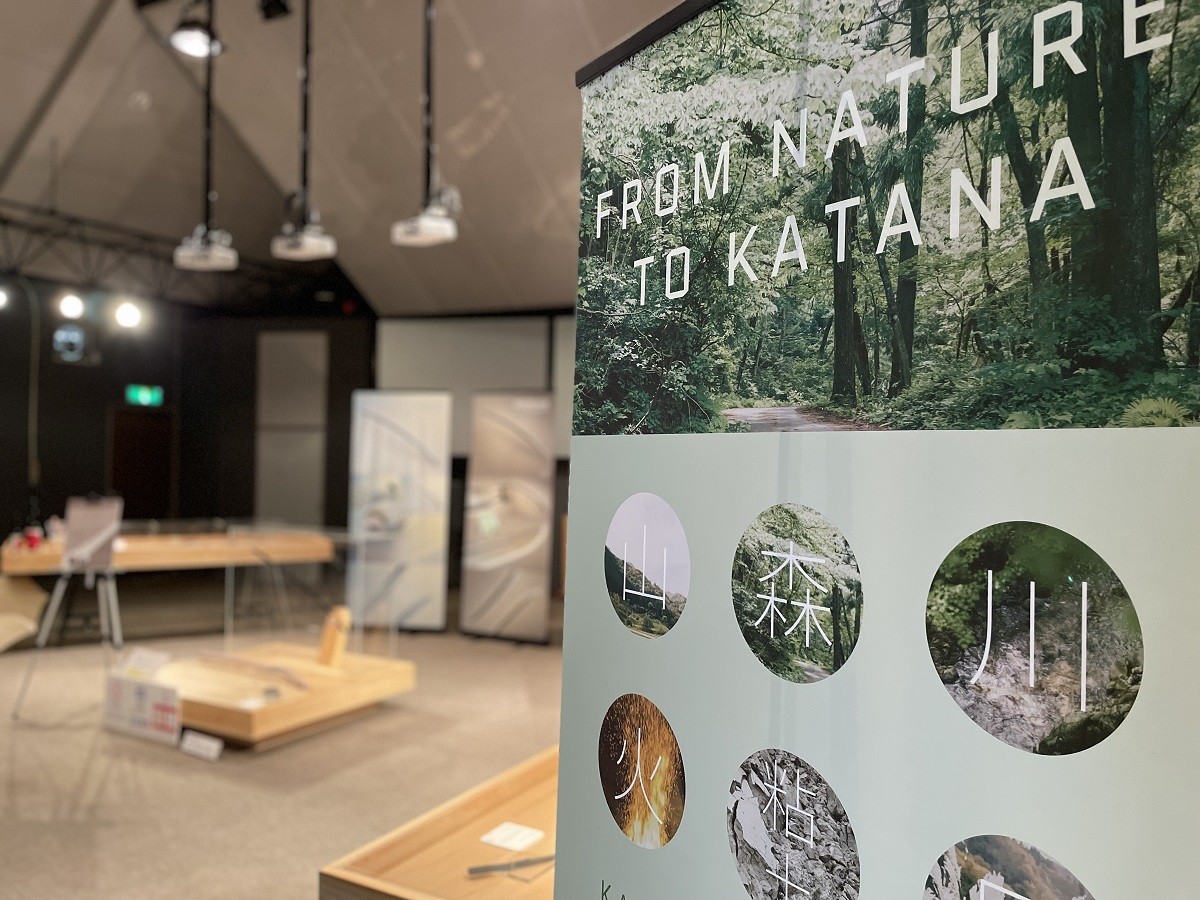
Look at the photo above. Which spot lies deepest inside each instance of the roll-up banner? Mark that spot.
(882, 565)
(509, 518)
(399, 509)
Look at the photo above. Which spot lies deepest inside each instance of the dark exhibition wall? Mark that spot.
(192, 457)
(218, 405)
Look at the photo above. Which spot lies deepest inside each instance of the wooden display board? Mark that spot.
(276, 692)
(428, 858)
(171, 552)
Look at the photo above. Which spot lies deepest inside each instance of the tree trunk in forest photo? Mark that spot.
(843, 284)
(1131, 235)
(914, 177)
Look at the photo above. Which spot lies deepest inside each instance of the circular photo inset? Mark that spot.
(647, 566)
(789, 833)
(797, 593)
(641, 771)
(993, 867)
(1035, 638)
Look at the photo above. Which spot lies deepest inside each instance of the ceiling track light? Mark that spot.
(438, 221)
(302, 238)
(207, 249)
(274, 9)
(194, 36)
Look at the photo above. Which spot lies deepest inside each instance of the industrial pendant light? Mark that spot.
(207, 249)
(437, 223)
(303, 239)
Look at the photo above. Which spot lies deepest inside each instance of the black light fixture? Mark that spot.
(206, 249)
(274, 9)
(194, 36)
(437, 222)
(302, 238)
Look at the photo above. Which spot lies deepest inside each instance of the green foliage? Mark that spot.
(1154, 412)
(800, 656)
(1022, 418)
(1017, 553)
(957, 394)
(641, 615)
(1020, 327)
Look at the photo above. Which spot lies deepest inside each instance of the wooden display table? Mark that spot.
(428, 858)
(279, 692)
(173, 552)
(183, 552)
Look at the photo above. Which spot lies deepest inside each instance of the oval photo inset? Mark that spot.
(1035, 638)
(789, 833)
(641, 771)
(797, 593)
(994, 867)
(647, 565)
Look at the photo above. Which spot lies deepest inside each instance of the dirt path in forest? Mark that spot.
(791, 418)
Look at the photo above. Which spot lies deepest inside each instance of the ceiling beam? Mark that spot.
(83, 39)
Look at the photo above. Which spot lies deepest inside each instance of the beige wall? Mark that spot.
(466, 355)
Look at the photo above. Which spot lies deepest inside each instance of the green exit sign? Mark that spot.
(143, 395)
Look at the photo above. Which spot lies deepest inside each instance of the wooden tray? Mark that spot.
(279, 690)
(428, 858)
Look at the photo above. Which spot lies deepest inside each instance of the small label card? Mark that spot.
(142, 709)
(202, 746)
(510, 836)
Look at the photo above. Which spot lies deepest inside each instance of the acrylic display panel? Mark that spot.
(399, 509)
(509, 517)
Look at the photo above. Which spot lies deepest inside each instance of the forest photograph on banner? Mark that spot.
(901, 215)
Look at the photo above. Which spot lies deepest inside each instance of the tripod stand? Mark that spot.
(92, 528)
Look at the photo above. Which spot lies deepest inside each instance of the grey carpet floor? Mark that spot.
(89, 814)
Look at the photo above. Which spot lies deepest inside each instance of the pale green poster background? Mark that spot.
(914, 773)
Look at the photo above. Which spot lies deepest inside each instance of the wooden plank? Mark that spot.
(251, 704)
(171, 552)
(428, 858)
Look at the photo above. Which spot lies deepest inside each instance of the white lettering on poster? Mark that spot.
(1054, 33)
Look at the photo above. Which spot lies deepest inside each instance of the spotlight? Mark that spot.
(71, 307)
(129, 315)
(274, 9)
(194, 36)
(3, 298)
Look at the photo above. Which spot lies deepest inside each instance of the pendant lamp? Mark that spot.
(437, 222)
(302, 238)
(206, 249)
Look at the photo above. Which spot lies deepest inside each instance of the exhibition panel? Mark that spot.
(871, 551)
